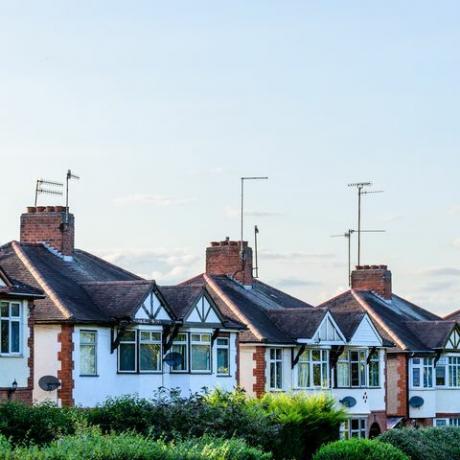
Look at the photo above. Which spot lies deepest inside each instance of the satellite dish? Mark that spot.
(348, 401)
(416, 402)
(173, 359)
(49, 383)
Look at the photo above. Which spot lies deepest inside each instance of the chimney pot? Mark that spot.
(376, 278)
(41, 208)
(31, 209)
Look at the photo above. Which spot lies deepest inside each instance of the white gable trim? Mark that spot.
(453, 342)
(366, 334)
(327, 322)
(203, 312)
(152, 309)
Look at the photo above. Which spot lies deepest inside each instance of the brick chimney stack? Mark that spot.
(48, 225)
(376, 278)
(224, 258)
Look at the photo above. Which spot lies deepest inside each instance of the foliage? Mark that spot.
(359, 449)
(92, 445)
(426, 443)
(38, 424)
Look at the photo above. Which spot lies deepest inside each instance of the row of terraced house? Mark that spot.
(91, 330)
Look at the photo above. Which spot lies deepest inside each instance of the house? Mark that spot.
(291, 346)
(102, 331)
(16, 329)
(423, 366)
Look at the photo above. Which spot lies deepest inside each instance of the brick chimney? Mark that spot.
(48, 225)
(376, 278)
(224, 258)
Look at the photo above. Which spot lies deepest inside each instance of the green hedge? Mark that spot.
(359, 449)
(426, 443)
(94, 446)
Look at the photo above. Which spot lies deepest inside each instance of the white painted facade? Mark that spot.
(14, 365)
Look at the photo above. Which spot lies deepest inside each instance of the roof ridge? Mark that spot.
(377, 319)
(40, 280)
(307, 305)
(321, 305)
(85, 283)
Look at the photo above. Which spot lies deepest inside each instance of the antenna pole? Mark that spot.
(69, 177)
(360, 188)
(348, 236)
(256, 268)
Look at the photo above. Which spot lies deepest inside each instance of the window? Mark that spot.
(127, 352)
(223, 356)
(150, 351)
(343, 370)
(10, 327)
(312, 369)
(374, 369)
(303, 370)
(454, 371)
(180, 346)
(351, 369)
(358, 368)
(201, 352)
(353, 428)
(88, 352)
(454, 421)
(276, 368)
(422, 372)
(440, 372)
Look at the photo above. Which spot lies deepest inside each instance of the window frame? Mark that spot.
(277, 365)
(306, 358)
(136, 357)
(222, 347)
(93, 344)
(187, 353)
(346, 430)
(151, 341)
(10, 319)
(423, 367)
(201, 343)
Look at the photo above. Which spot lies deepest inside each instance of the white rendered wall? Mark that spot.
(15, 367)
(46, 348)
(89, 391)
(448, 400)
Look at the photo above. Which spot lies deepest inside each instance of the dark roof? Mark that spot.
(297, 322)
(181, 299)
(454, 316)
(433, 334)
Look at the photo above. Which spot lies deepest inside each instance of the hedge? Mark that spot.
(426, 443)
(359, 449)
(95, 446)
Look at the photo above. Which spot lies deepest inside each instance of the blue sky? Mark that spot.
(162, 106)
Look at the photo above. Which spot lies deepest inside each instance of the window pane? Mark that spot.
(205, 338)
(128, 336)
(440, 375)
(355, 374)
(427, 377)
(201, 357)
(15, 309)
(87, 360)
(150, 357)
(343, 374)
(279, 376)
(5, 336)
(182, 350)
(324, 381)
(222, 361)
(14, 336)
(316, 355)
(303, 375)
(316, 375)
(223, 342)
(145, 335)
(196, 337)
(87, 337)
(4, 310)
(374, 380)
(127, 357)
(416, 377)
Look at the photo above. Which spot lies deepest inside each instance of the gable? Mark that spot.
(328, 331)
(2, 283)
(453, 342)
(203, 312)
(152, 308)
(366, 334)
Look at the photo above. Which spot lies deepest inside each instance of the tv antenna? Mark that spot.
(242, 207)
(347, 235)
(256, 267)
(360, 186)
(47, 187)
(70, 176)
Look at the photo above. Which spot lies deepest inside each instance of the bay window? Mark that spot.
(303, 370)
(201, 353)
(374, 369)
(312, 369)
(422, 372)
(150, 356)
(454, 371)
(180, 346)
(354, 370)
(88, 353)
(343, 370)
(276, 368)
(10, 328)
(440, 372)
(223, 356)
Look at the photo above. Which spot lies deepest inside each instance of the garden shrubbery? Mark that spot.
(359, 449)
(426, 443)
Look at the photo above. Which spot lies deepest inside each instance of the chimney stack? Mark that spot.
(224, 258)
(376, 278)
(47, 224)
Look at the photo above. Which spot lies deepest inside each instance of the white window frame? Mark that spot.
(447, 421)
(200, 342)
(150, 341)
(12, 319)
(277, 366)
(134, 371)
(225, 347)
(89, 344)
(347, 432)
(306, 358)
(374, 357)
(453, 363)
(185, 342)
(424, 365)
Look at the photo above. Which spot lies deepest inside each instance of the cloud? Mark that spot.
(290, 282)
(295, 256)
(154, 200)
(234, 212)
(437, 286)
(165, 266)
(443, 271)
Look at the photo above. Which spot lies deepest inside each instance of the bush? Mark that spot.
(426, 443)
(359, 449)
(39, 424)
(306, 422)
(94, 446)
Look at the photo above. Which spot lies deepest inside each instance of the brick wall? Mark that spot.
(397, 384)
(65, 358)
(258, 358)
(224, 258)
(375, 278)
(47, 224)
(378, 417)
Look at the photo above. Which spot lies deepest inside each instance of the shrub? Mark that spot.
(94, 446)
(4, 444)
(426, 443)
(359, 449)
(38, 424)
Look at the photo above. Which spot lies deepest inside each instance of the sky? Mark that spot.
(161, 107)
